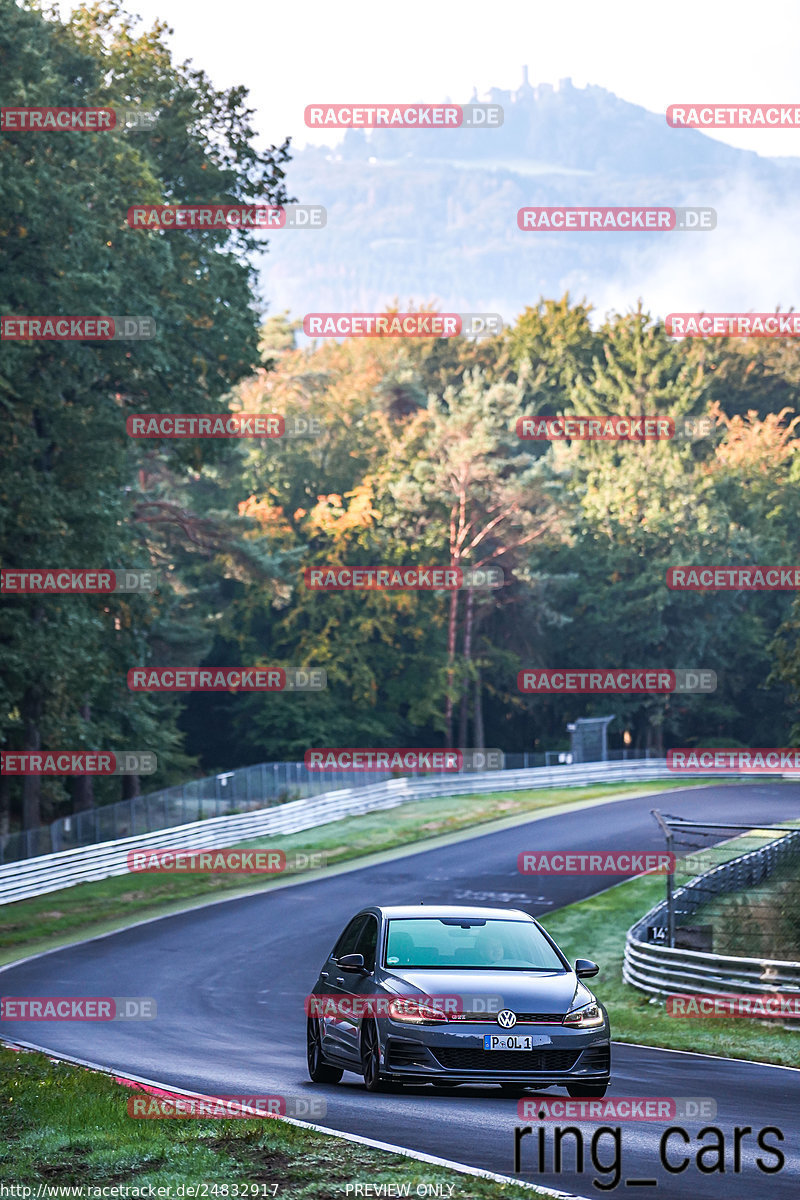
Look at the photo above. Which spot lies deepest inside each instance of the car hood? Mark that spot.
(520, 991)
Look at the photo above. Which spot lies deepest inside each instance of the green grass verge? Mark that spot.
(597, 927)
(65, 1126)
(43, 922)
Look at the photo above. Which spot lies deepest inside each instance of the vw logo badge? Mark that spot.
(507, 1018)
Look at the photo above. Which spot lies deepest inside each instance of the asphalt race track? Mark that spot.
(229, 981)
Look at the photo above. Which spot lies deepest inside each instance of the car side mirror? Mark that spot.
(585, 968)
(353, 962)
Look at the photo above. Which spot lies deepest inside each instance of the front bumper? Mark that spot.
(443, 1053)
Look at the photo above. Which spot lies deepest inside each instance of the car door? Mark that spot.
(358, 986)
(337, 1026)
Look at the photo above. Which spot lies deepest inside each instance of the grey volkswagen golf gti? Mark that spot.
(451, 994)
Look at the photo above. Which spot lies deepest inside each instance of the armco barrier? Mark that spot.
(661, 970)
(47, 873)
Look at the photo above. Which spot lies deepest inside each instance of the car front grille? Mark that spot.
(526, 1018)
(458, 1059)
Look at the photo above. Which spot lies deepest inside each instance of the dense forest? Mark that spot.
(416, 461)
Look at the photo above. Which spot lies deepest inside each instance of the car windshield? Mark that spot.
(454, 942)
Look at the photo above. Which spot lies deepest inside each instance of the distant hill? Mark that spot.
(431, 214)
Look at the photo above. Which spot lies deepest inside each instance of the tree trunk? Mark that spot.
(5, 806)
(655, 735)
(468, 623)
(463, 716)
(131, 786)
(83, 793)
(31, 712)
(658, 735)
(83, 789)
(451, 658)
(31, 784)
(480, 736)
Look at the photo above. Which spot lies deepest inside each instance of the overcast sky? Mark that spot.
(292, 54)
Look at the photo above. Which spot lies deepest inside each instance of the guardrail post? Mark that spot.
(670, 900)
(670, 879)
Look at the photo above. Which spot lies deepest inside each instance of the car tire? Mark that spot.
(592, 1091)
(374, 1081)
(318, 1070)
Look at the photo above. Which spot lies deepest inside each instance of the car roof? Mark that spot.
(471, 912)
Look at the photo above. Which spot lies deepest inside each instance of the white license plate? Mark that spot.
(514, 1041)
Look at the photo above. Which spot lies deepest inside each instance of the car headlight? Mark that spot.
(588, 1016)
(415, 1012)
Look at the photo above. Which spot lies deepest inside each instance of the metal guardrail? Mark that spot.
(661, 969)
(242, 790)
(47, 873)
(664, 971)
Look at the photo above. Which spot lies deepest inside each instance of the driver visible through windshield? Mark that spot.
(453, 943)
